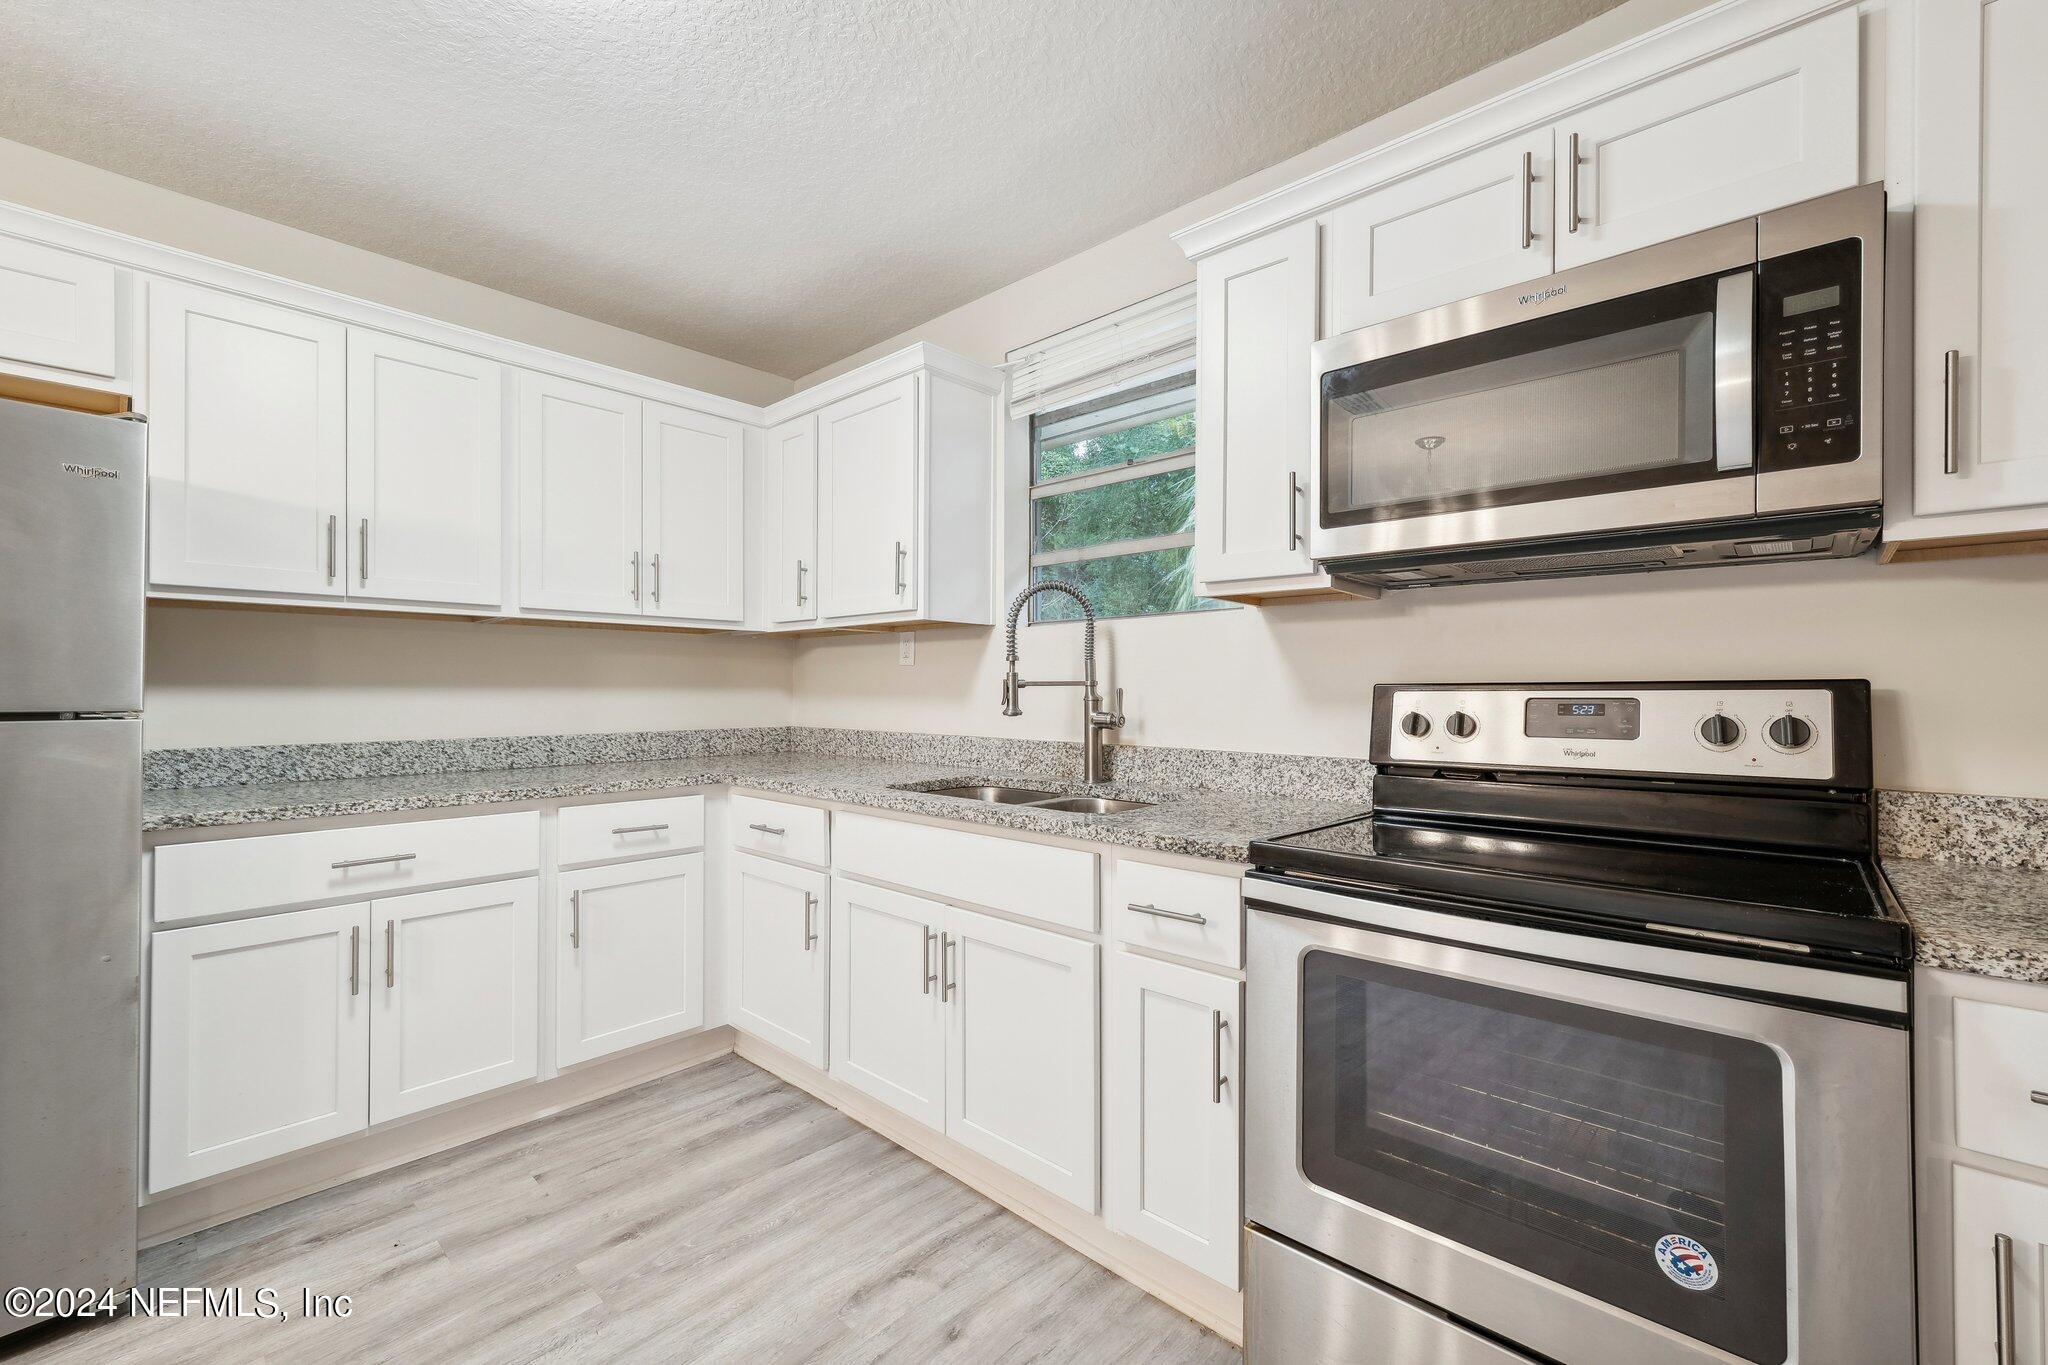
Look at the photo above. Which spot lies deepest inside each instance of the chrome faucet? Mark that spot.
(1096, 723)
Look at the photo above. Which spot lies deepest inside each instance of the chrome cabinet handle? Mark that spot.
(363, 551)
(390, 953)
(2038, 1096)
(347, 863)
(800, 598)
(1571, 186)
(810, 935)
(2004, 1350)
(768, 829)
(946, 983)
(900, 553)
(1216, 1031)
(575, 919)
(355, 959)
(634, 560)
(930, 977)
(1294, 492)
(1183, 916)
(655, 566)
(1951, 411)
(1528, 196)
(331, 519)
(639, 829)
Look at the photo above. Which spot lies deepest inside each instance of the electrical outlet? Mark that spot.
(906, 648)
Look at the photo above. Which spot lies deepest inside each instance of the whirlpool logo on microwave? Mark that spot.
(1543, 295)
(91, 471)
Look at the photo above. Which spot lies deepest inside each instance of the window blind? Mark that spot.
(1153, 336)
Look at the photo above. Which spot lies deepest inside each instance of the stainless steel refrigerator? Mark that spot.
(72, 494)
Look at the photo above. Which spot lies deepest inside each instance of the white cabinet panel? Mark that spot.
(611, 830)
(1256, 320)
(781, 921)
(789, 520)
(1173, 1121)
(1476, 223)
(579, 497)
(1764, 126)
(888, 1025)
(1180, 911)
(259, 1040)
(455, 991)
(2001, 1056)
(779, 827)
(1021, 1050)
(247, 444)
(1988, 1207)
(629, 955)
(1039, 881)
(426, 453)
(869, 501)
(56, 308)
(694, 490)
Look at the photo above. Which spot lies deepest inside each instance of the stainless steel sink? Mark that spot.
(1002, 796)
(1090, 805)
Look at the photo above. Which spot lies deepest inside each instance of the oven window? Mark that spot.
(1601, 399)
(1635, 1160)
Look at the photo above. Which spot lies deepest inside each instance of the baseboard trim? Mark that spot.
(174, 1215)
(1208, 1303)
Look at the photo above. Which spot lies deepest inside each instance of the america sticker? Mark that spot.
(1687, 1263)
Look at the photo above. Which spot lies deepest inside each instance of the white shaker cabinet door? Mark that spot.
(579, 497)
(1759, 128)
(426, 454)
(629, 955)
(57, 308)
(1479, 222)
(1171, 1131)
(247, 444)
(789, 523)
(888, 1025)
(868, 501)
(259, 1040)
(694, 490)
(780, 930)
(455, 995)
(1021, 1043)
(2000, 1260)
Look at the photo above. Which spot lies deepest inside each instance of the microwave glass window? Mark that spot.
(1612, 396)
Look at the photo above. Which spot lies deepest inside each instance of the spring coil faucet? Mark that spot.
(1096, 723)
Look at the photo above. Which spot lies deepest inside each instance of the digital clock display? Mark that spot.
(1583, 718)
(1582, 708)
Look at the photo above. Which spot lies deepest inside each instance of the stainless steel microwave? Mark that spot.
(1714, 399)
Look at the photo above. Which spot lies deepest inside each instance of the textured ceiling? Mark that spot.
(774, 182)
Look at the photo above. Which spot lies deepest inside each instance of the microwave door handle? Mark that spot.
(1735, 370)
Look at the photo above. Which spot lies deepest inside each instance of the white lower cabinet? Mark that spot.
(779, 919)
(888, 1018)
(455, 994)
(1171, 1133)
(2000, 1267)
(629, 955)
(259, 1040)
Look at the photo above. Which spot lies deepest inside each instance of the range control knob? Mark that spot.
(1460, 726)
(1415, 725)
(1720, 732)
(1790, 732)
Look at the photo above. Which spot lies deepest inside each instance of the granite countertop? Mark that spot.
(1198, 824)
(1975, 917)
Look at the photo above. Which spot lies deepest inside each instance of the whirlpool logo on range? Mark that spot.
(1571, 751)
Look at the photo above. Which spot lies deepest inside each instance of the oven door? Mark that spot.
(1596, 1161)
(1611, 397)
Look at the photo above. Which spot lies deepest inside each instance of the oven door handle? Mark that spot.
(1735, 370)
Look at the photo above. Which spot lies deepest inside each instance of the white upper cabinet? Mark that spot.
(1755, 129)
(57, 309)
(1256, 320)
(693, 488)
(425, 461)
(868, 507)
(1479, 222)
(1981, 280)
(579, 497)
(789, 520)
(247, 444)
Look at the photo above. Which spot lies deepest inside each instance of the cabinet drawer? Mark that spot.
(1153, 905)
(231, 876)
(2001, 1067)
(1056, 885)
(629, 829)
(763, 826)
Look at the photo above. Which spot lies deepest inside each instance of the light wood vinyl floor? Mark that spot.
(714, 1215)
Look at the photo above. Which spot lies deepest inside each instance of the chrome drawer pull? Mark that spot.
(347, 863)
(1571, 196)
(1181, 915)
(810, 934)
(639, 829)
(575, 919)
(2038, 1096)
(390, 953)
(355, 959)
(930, 976)
(2002, 1348)
(1216, 1094)
(768, 829)
(1951, 411)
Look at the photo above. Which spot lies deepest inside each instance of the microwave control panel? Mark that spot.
(1810, 353)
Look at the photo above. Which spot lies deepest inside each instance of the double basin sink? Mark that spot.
(1033, 797)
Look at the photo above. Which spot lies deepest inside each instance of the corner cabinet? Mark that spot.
(789, 521)
(867, 494)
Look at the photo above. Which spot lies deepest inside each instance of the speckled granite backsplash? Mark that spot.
(1992, 831)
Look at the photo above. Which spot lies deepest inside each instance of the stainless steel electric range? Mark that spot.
(1589, 1045)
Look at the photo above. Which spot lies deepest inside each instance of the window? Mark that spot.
(1113, 502)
